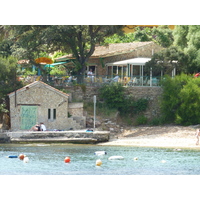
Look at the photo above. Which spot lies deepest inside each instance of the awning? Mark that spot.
(133, 61)
(54, 64)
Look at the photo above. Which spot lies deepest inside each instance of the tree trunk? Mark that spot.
(81, 74)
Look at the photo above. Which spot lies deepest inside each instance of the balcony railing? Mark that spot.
(93, 81)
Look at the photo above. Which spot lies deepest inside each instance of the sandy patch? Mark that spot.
(161, 136)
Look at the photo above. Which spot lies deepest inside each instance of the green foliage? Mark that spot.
(163, 36)
(187, 38)
(156, 121)
(8, 80)
(58, 70)
(170, 99)
(164, 60)
(3, 108)
(140, 105)
(69, 115)
(126, 38)
(8, 76)
(141, 120)
(181, 99)
(80, 40)
(114, 97)
(143, 35)
(180, 35)
(58, 54)
(188, 111)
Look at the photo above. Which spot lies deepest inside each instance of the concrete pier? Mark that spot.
(77, 136)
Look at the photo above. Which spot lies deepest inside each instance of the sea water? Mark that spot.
(48, 159)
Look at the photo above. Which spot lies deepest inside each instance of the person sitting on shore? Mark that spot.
(42, 127)
(35, 128)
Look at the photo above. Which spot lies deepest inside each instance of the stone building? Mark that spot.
(39, 102)
(115, 52)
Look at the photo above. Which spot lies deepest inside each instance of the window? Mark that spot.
(54, 113)
(51, 114)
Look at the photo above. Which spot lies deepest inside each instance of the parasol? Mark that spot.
(44, 60)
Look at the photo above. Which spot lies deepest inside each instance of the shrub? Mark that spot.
(114, 98)
(170, 100)
(181, 99)
(141, 120)
(157, 121)
(113, 95)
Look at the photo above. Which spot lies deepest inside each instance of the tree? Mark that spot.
(163, 35)
(187, 38)
(80, 40)
(167, 59)
(180, 100)
(8, 80)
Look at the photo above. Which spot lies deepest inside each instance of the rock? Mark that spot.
(4, 138)
(97, 123)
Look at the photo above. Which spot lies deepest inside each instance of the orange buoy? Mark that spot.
(67, 159)
(21, 156)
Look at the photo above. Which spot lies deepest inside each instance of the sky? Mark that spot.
(104, 12)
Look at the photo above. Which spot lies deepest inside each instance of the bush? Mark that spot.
(113, 95)
(157, 121)
(114, 98)
(141, 120)
(181, 99)
(170, 100)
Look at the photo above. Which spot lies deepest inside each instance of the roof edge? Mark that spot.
(36, 83)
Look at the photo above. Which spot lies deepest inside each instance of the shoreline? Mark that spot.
(159, 137)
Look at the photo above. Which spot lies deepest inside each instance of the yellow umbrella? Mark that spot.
(44, 60)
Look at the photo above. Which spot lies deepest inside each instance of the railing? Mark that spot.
(92, 80)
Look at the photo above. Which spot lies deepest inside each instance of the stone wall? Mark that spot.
(76, 109)
(150, 93)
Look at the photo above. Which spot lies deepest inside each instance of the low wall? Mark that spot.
(79, 137)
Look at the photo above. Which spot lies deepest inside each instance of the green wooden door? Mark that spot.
(28, 117)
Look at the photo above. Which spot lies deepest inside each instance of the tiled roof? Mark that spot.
(112, 49)
(36, 83)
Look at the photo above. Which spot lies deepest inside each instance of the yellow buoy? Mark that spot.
(98, 162)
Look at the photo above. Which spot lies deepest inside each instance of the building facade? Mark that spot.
(39, 102)
(116, 52)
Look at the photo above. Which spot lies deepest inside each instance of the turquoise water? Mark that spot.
(48, 159)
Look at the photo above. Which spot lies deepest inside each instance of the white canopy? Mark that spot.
(133, 61)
